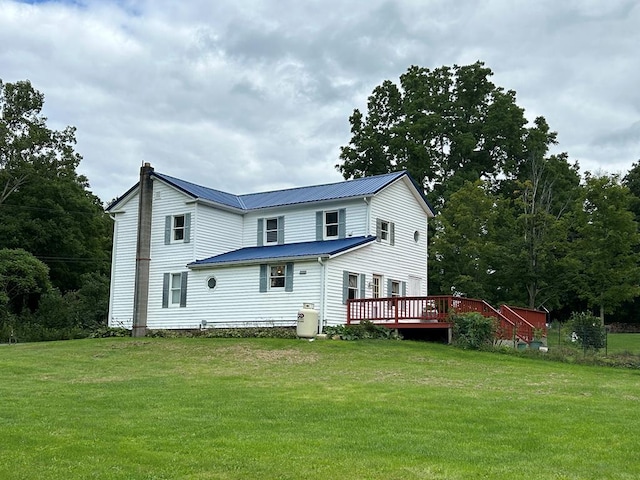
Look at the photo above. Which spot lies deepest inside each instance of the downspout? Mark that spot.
(323, 281)
(143, 253)
(368, 216)
(426, 247)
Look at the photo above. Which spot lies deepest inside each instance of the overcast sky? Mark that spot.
(250, 95)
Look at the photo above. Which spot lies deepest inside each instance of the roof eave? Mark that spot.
(256, 261)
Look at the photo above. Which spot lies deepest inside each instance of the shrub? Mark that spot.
(472, 330)
(107, 332)
(363, 330)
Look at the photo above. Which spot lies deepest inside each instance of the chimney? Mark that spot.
(143, 252)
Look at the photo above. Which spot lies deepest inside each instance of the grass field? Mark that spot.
(623, 343)
(288, 409)
(616, 342)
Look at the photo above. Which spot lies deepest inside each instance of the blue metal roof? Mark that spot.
(292, 251)
(198, 191)
(359, 187)
(356, 188)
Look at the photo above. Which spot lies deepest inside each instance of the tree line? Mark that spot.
(55, 238)
(515, 223)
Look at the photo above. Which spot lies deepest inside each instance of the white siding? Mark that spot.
(215, 231)
(300, 221)
(406, 258)
(123, 264)
(237, 301)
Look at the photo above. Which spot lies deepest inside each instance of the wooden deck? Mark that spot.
(514, 323)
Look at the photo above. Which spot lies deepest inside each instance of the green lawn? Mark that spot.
(289, 409)
(623, 342)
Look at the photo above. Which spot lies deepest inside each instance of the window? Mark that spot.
(385, 231)
(211, 282)
(353, 285)
(276, 277)
(174, 290)
(396, 288)
(177, 228)
(176, 282)
(331, 224)
(270, 231)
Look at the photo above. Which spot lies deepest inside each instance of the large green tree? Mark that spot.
(445, 126)
(606, 245)
(46, 207)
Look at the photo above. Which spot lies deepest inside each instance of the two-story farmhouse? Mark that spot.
(186, 256)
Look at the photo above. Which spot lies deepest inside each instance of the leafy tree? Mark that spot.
(607, 245)
(445, 126)
(632, 181)
(23, 278)
(537, 244)
(46, 206)
(465, 244)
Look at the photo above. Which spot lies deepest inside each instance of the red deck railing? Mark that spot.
(435, 311)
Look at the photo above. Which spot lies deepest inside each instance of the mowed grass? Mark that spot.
(623, 343)
(288, 409)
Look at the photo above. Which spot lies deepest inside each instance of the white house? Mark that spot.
(187, 256)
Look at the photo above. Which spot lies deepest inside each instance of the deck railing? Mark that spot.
(399, 311)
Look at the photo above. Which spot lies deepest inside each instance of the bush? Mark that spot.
(361, 331)
(108, 332)
(587, 330)
(473, 331)
(246, 332)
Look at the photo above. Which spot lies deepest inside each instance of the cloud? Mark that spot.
(252, 95)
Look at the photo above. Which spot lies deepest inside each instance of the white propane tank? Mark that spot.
(307, 321)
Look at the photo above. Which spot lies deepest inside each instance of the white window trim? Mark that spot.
(355, 288)
(173, 290)
(266, 231)
(175, 229)
(272, 277)
(325, 225)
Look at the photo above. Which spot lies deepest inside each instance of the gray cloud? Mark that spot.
(252, 95)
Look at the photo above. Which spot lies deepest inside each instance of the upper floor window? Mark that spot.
(385, 231)
(177, 228)
(395, 289)
(331, 224)
(270, 231)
